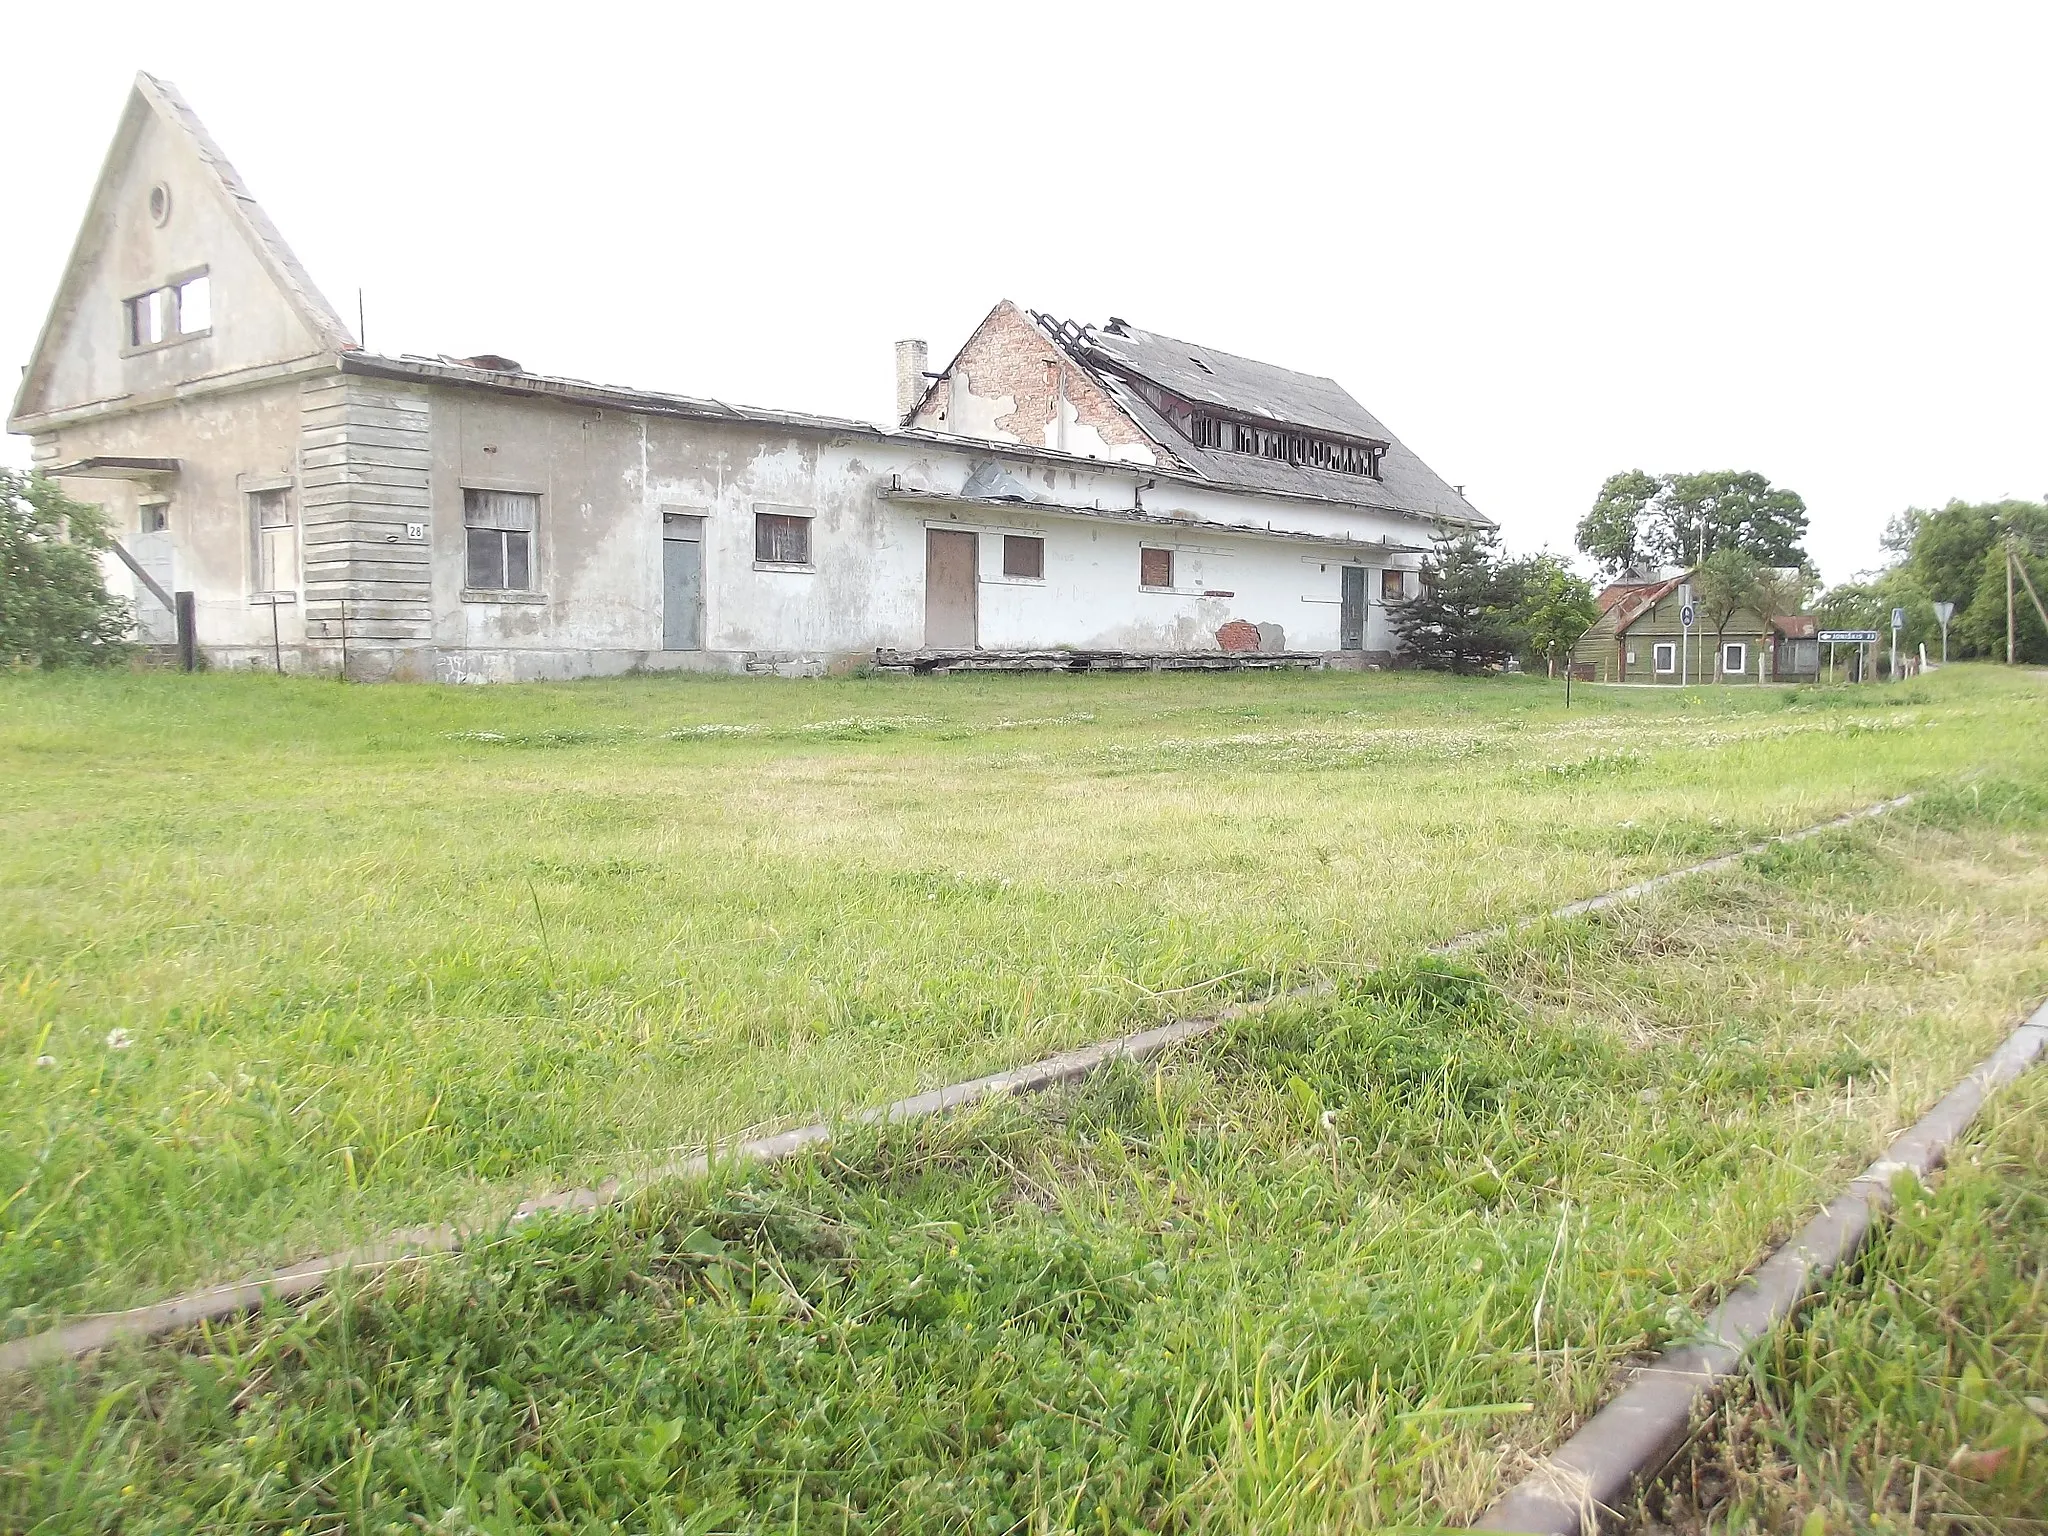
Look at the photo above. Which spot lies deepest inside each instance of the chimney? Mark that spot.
(911, 359)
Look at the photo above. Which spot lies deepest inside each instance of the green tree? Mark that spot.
(1462, 620)
(55, 609)
(1729, 582)
(1550, 607)
(1681, 519)
(1729, 509)
(1982, 626)
(1613, 532)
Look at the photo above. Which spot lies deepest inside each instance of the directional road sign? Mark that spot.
(1848, 636)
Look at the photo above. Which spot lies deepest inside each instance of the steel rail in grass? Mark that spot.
(313, 1275)
(1600, 1472)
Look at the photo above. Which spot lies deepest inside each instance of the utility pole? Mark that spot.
(2011, 642)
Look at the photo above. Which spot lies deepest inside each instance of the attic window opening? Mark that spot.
(169, 313)
(1303, 449)
(160, 205)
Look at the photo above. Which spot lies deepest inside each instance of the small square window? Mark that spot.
(156, 516)
(1735, 657)
(1155, 567)
(1023, 555)
(498, 529)
(1665, 656)
(1393, 586)
(782, 539)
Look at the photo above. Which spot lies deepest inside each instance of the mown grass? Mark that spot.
(285, 963)
(1349, 1263)
(1915, 1396)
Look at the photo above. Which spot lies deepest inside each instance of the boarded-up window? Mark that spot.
(782, 539)
(1392, 587)
(498, 528)
(1023, 555)
(1155, 567)
(274, 535)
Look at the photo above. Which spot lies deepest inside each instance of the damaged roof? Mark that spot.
(1117, 353)
(1350, 490)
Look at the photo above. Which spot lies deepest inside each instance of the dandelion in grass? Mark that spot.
(119, 1039)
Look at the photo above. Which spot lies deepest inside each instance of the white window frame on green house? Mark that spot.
(1664, 657)
(1738, 649)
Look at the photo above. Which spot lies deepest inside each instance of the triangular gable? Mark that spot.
(78, 352)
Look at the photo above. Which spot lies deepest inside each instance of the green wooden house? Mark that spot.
(1639, 638)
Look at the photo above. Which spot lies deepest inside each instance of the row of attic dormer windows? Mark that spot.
(170, 313)
(1285, 445)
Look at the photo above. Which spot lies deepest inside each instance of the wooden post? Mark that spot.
(2011, 643)
(188, 636)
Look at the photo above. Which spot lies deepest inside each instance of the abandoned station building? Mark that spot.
(1054, 488)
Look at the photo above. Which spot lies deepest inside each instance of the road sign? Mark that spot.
(1898, 618)
(1848, 636)
(1943, 612)
(1685, 616)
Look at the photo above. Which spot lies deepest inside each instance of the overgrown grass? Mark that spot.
(285, 963)
(1915, 1397)
(1346, 1264)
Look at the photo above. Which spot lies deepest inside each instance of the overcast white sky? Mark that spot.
(1542, 243)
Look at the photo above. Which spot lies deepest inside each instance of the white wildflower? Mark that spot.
(119, 1040)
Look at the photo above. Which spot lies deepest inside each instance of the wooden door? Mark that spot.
(1351, 623)
(950, 576)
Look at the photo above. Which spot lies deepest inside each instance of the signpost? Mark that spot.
(1864, 638)
(1944, 612)
(1685, 618)
(1898, 623)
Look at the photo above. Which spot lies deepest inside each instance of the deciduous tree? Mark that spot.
(55, 609)
(1681, 519)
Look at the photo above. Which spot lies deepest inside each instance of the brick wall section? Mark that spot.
(1009, 355)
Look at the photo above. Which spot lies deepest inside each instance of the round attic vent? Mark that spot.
(160, 205)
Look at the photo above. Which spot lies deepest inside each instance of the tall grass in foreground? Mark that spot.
(1345, 1264)
(284, 964)
(1915, 1396)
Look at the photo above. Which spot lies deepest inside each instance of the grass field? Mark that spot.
(289, 962)
(1916, 1397)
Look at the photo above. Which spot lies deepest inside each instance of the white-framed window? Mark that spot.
(498, 529)
(1024, 556)
(154, 517)
(1393, 586)
(274, 542)
(1735, 657)
(1664, 656)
